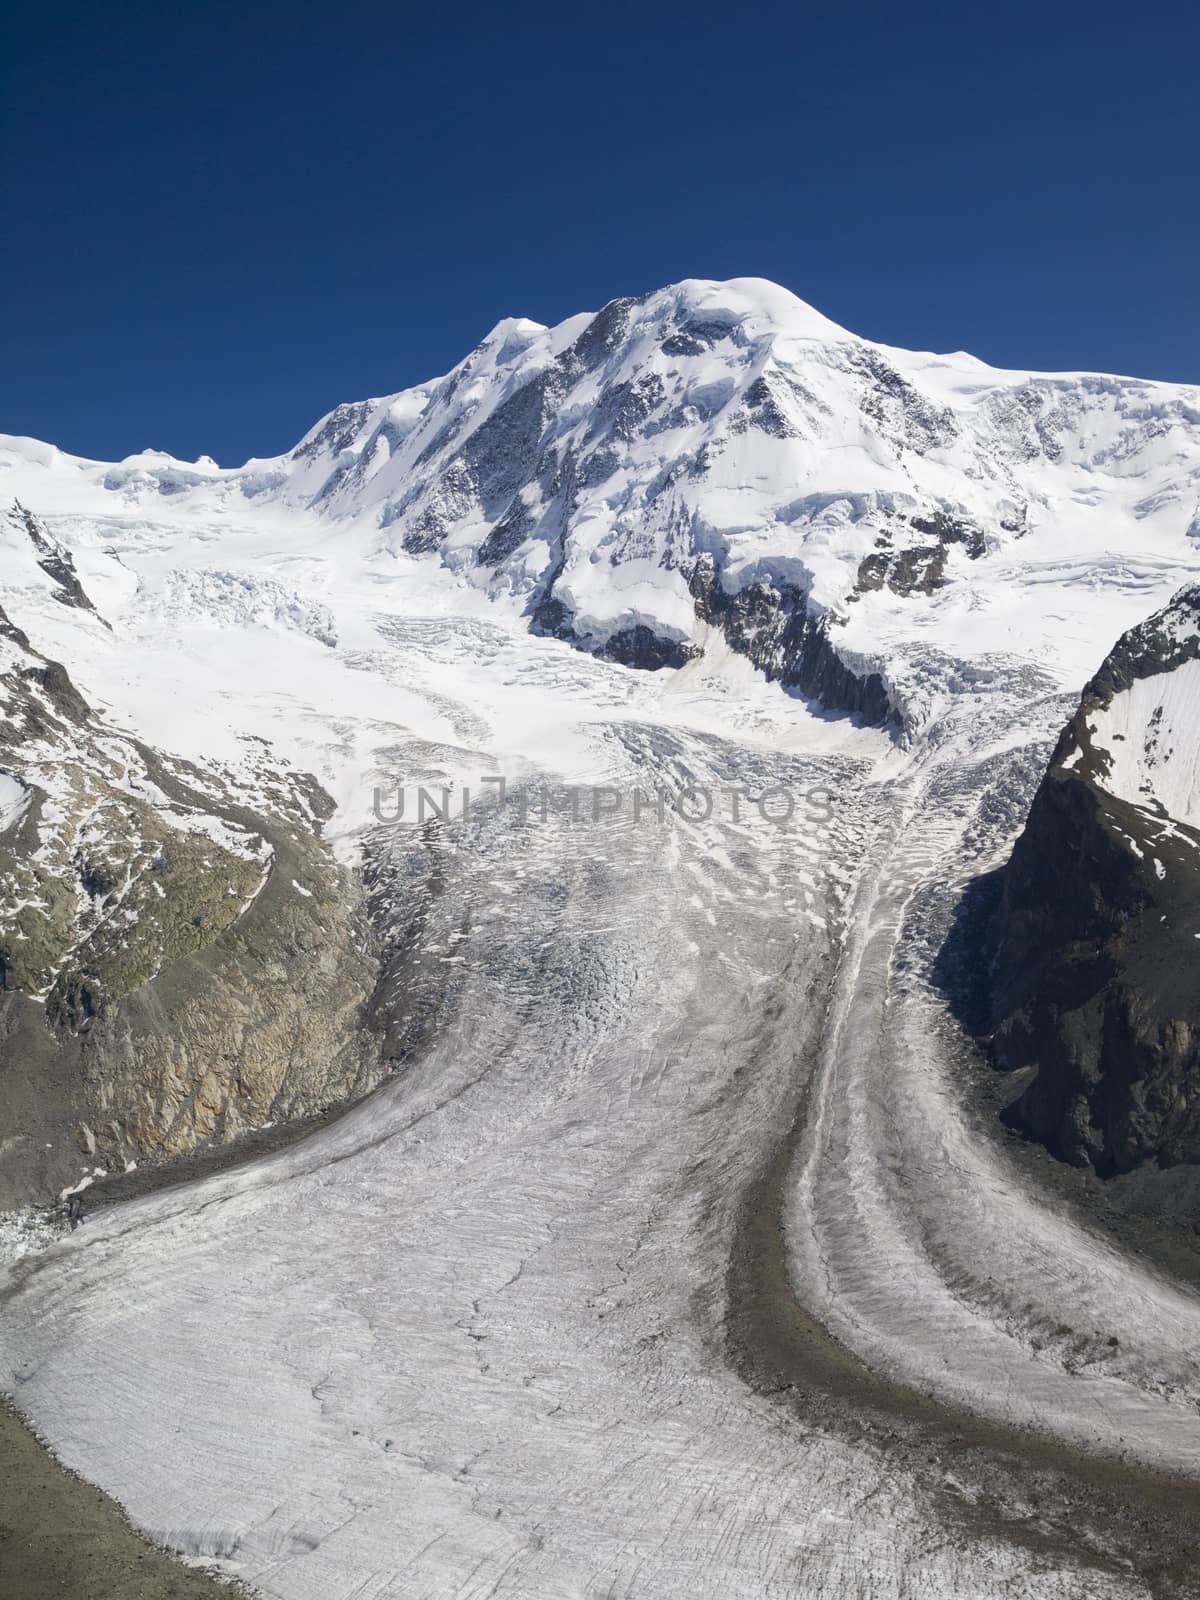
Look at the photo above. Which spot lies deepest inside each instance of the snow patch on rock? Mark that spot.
(1151, 733)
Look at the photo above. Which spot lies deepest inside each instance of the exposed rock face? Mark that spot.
(263, 1025)
(918, 568)
(176, 969)
(58, 564)
(640, 646)
(771, 625)
(1097, 955)
(768, 621)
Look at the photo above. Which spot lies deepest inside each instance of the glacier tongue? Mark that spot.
(476, 1336)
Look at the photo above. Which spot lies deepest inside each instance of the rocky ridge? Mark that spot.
(1097, 937)
(176, 966)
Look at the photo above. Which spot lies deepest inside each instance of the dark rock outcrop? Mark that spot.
(58, 564)
(640, 646)
(767, 622)
(1096, 943)
(770, 624)
(919, 568)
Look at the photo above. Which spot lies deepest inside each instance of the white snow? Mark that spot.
(1151, 734)
(1084, 486)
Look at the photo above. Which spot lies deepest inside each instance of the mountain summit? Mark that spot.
(721, 455)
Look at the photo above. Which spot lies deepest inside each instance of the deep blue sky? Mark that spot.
(224, 218)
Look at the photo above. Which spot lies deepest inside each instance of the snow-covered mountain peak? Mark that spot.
(721, 456)
(755, 305)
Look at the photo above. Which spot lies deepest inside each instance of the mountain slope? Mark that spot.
(1098, 955)
(623, 477)
(673, 1261)
(157, 985)
(712, 478)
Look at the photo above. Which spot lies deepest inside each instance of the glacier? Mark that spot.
(674, 1260)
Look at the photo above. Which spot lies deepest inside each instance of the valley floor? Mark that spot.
(671, 1265)
(62, 1539)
